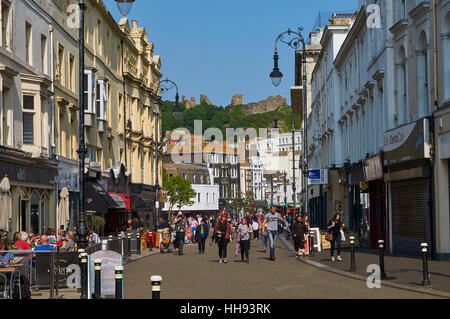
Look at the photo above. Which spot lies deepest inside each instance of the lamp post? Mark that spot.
(82, 232)
(177, 111)
(293, 149)
(294, 39)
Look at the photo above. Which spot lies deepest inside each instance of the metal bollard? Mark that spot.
(311, 247)
(381, 251)
(97, 278)
(150, 246)
(129, 246)
(426, 280)
(138, 243)
(352, 256)
(156, 286)
(84, 275)
(118, 276)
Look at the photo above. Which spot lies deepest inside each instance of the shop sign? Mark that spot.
(318, 177)
(373, 168)
(445, 146)
(407, 143)
(68, 175)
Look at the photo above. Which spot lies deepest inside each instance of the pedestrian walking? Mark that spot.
(180, 228)
(245, 231)
(334, 228)
(263, 233)
(299, 231)
(223, 232)
(193, 225)
(201, 235)
(255, 227)
(272, 228)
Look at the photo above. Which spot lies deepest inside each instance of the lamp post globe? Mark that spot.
(276, 75)
(177, 110)
(124, 6)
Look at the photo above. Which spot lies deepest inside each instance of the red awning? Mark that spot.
(125, 198)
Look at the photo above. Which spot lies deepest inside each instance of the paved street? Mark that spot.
(195, 276)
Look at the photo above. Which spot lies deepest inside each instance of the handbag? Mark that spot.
(329, 236)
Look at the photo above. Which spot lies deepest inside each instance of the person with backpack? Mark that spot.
(180, 223)
(201, 235)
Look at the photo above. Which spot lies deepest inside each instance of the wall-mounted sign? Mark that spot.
(407, 143)
(318, 177)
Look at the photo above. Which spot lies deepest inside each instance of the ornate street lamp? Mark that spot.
(124, 6)
(176, 112)
(294, 39)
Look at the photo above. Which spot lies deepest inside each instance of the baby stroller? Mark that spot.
(166, 242)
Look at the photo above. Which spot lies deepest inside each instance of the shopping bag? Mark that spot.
(342, 235)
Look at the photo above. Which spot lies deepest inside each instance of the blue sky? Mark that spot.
(220, 48)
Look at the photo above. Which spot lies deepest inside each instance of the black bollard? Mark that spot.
(156, 286)
(138, 243)
(129, 246)
(381, 250)
(84, 274)
(352, 257)
(311, 247)
(118, 276)
(97, 278)
(150, 245)
(426, 280)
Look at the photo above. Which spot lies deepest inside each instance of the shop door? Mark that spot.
(411, 216)
(378, 219)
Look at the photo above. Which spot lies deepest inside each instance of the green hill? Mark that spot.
(219, 117)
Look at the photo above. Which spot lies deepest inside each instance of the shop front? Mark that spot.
(375, 222)
(355, 177)
(317, 206)
(409, 182)
(33, 193)
(143, 198)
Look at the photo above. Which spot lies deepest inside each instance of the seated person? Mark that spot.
(22, 243)
(8, 257)
(44, 244)
(5, 257)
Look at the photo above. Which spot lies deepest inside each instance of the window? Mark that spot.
(184, 175)
(5, 13)
(28, 119)
(89, 82)
(101, 99)
(28, 44)
(71, 73)
(99, 37)
(198, 197)
(422, 75)
(207, 197)
(60, 70)
(44, 54)
(94, 154)
(108, 48)
(143, 167)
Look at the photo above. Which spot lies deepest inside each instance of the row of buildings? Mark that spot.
(379, 122)
(39, 126)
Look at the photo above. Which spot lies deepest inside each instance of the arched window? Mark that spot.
(445, 55)
(402, 111)
(422, 76)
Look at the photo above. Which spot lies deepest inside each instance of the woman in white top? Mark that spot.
(255, 226)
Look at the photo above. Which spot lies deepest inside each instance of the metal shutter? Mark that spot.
(411, 216)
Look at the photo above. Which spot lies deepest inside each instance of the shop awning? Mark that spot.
(123, 200)
(139, 202)
(98, 200)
